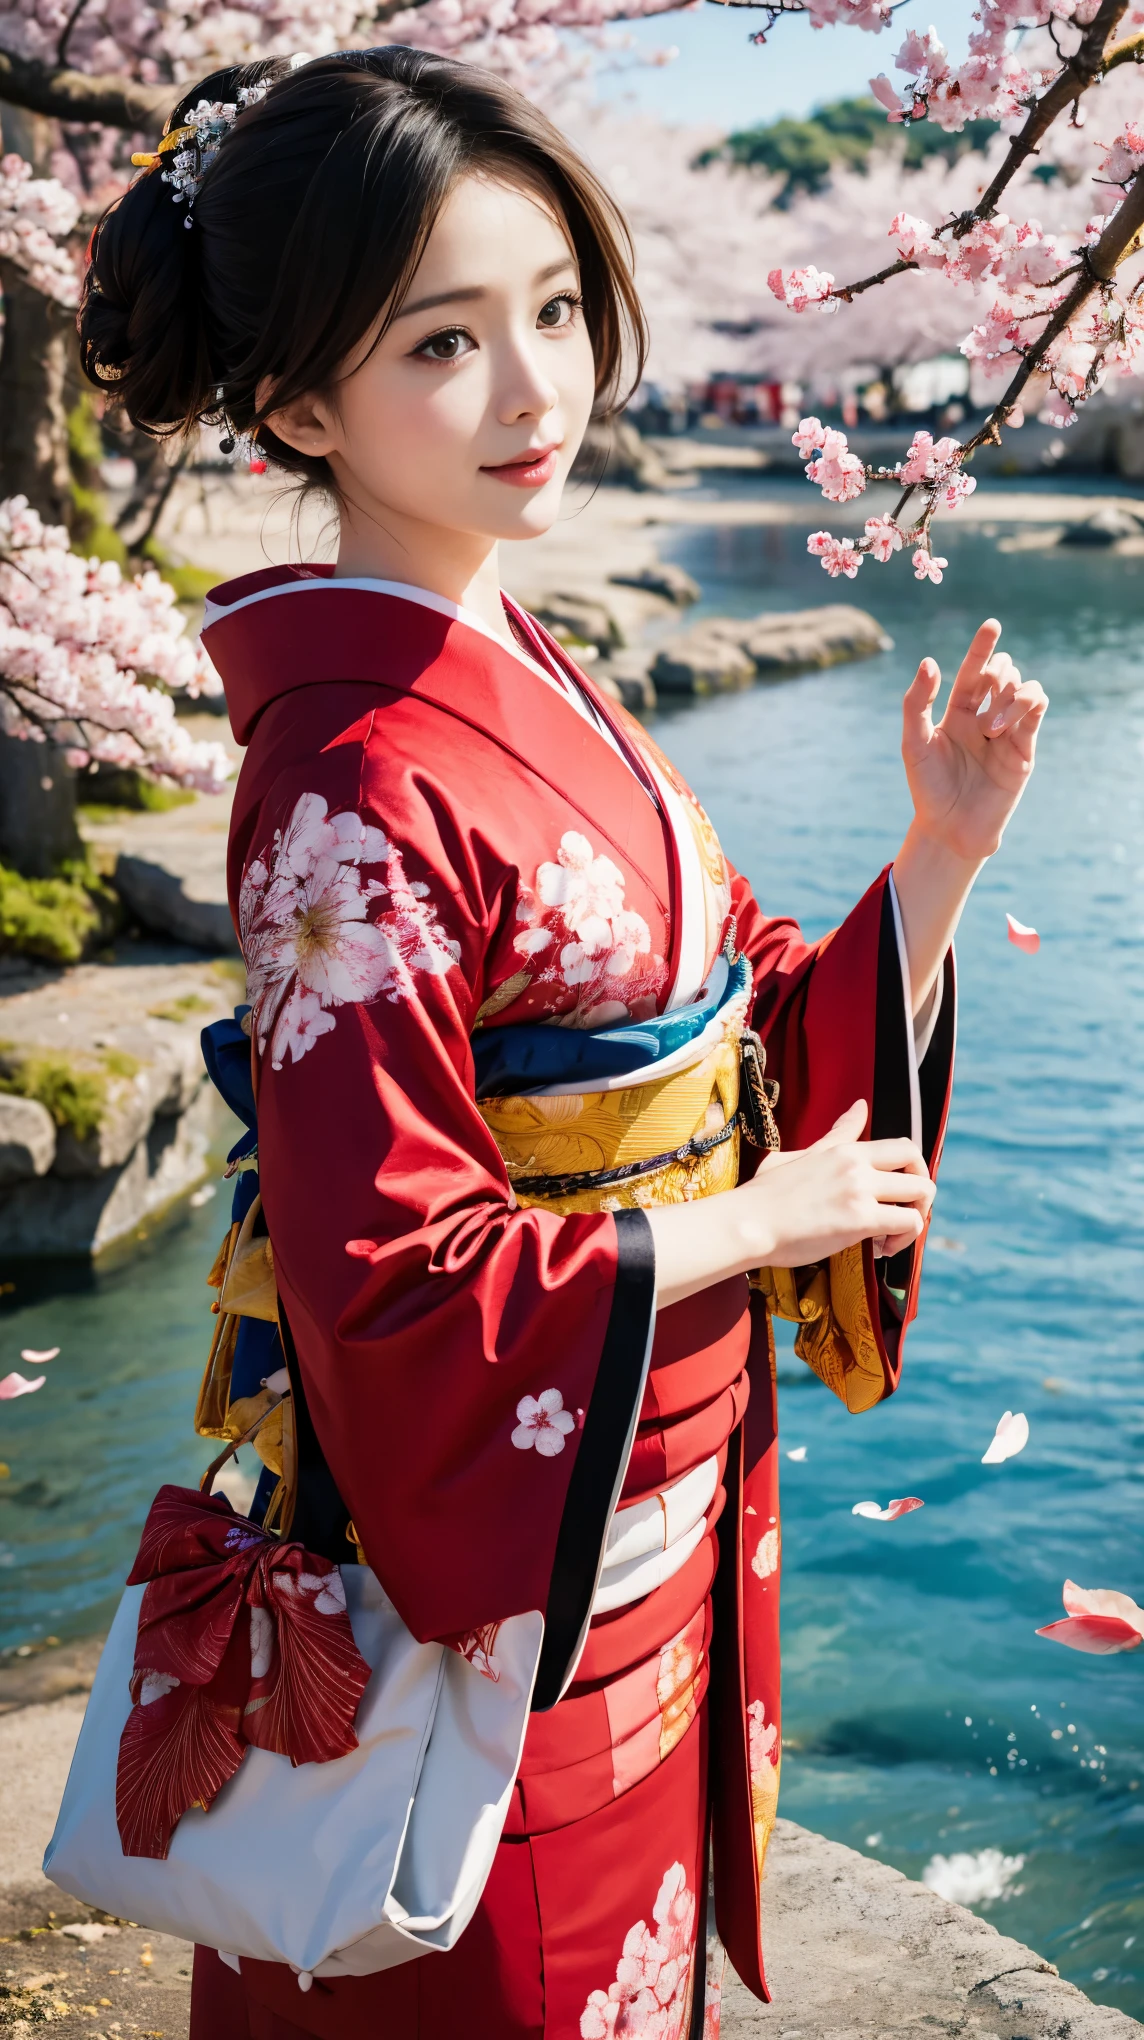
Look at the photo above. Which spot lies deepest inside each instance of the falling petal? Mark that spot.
(18, 1384)
(798, 1453)
(200, 1197)
(1010, 1437)
(875, 1514)
(1022, 937)
(35, 1359)
(1102, 1601)
(1100, 1634)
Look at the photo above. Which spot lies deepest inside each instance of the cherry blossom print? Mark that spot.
(1010, 1437)
(36, 1358)
(766, 1558)
(307, 934)
(154, 1685)
(1022, 937)
(577, 935)
(764, 1751)
(542, 1421)
(649, 1997)
(874, 1512)
(764, 1739)
(1099, 1620)
(678, 1688)
(18, 1384)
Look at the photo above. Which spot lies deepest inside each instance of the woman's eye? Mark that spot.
(558, 311)
(447, 346)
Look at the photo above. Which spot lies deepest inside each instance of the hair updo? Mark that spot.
(309, 223)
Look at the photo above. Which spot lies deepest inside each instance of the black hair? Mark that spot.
(309, 223)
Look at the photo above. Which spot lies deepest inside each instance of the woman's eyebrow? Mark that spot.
(470, 293)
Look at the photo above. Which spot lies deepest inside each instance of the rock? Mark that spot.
(724, 652)
(189, 905)
(625, 676)
(856, 1951)
(578, 619)
(791, 641)
(110, 1057)
(27, 1139)
(709, 659)
(1104, 527)
(613, 451)
(675, 586)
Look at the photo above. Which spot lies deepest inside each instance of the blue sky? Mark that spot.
(718, 77)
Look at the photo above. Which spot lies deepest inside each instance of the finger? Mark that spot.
(895, 1242)
(1022, 734)
(1002, 694)
(972, 683)
(850, 1125)
(917, 721)
(902, 1188)
(896, 1154)
(1029, 700)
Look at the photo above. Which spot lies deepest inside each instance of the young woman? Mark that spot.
(511, 1009)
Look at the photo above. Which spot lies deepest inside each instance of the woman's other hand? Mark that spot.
(803, 1205)
(967, 772)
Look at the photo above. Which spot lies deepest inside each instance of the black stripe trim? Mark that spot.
(890, 1113)
(601, 1456)
(933, 1074)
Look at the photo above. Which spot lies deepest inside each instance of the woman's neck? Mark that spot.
(462, 566)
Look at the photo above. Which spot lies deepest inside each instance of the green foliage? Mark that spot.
(191, 584)
(180, 1009)
(74, 1096)
(100, 797)
(842, 135)
(57, 918)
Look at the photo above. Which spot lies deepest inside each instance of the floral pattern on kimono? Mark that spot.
(306, 934)
(578, 936)
(651, 1994)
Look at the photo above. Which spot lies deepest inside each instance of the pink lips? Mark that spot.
(529, 471)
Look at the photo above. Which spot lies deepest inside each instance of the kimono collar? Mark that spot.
(265, 645)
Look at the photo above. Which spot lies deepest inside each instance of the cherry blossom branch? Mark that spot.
(1082, 71)
(64, 94)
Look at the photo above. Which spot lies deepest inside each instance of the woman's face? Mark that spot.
(469, 411)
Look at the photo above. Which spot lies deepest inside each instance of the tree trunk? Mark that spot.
(34, 363)
(37, 807)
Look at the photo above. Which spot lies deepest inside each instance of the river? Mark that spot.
(924, 1719)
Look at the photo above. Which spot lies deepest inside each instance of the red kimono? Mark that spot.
(432, 836)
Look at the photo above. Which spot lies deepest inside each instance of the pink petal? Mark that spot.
(875, 1514)
(904, 1507)
(18, 1384)
(1010, 1437)
(1022, 937)
(1100, 1634)
(1102, 1601)
(35, 1359)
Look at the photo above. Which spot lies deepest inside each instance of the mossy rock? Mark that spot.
(75, 1088)
(102, 793)
(58, 919)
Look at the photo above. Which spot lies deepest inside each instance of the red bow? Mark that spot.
(242, 1640)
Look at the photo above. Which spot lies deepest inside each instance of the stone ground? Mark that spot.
(855, 1950)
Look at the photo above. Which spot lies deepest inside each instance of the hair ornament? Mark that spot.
(193, 146)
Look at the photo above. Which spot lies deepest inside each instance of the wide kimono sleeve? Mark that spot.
(472, 1372)
(836, 1021)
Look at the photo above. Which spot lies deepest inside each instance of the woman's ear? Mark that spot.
(307, 423)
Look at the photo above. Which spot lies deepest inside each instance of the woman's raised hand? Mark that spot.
(967, 773)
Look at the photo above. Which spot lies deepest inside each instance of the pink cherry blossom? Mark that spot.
(929, 566)
(884, 92)
(649, 1995)
(74, 636)
(36, 213)
(809, 438)
(543, 1422)
(1010, 1437)
(800, 288)
(837, 472)
(1021, 936)
(13, 1385)
(883, 537)
(838, 555)
(876, 1514)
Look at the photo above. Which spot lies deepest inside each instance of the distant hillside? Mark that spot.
(842, 135)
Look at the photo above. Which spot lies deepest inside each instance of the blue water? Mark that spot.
(911, 1664)
(910, 1649)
